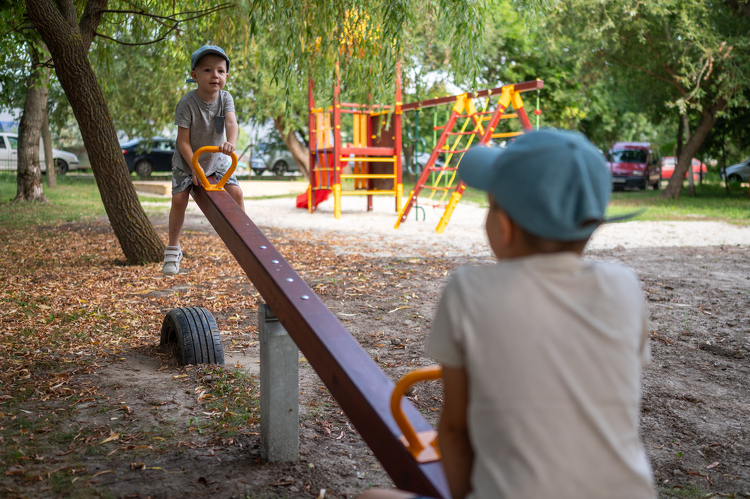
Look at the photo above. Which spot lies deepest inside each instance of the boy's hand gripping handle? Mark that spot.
(423, 445)
(202, 176)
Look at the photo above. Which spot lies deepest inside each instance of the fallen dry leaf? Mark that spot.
(112, 436)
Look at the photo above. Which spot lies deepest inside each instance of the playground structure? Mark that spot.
(375, 152)
(362, 389)
(480, 124)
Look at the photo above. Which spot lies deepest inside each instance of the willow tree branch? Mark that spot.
(151, 42)
(173, 17)
(668, 80)
(161, 19)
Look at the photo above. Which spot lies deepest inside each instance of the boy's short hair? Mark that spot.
(554, 184)
(541, 245)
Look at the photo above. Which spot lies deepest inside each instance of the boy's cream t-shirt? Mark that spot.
(553, 347)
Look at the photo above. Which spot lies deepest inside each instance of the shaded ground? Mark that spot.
(90, 407)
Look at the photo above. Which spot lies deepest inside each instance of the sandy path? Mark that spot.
(465, 232)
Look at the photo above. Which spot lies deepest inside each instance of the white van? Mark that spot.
(64, 161)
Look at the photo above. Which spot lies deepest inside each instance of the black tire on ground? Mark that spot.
(143, 168)
(61, 167)
(280, 167)
(657, 185)
(735, 178)
(194, 331)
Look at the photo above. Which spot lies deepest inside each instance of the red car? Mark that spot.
(634, 164)
(669, 162)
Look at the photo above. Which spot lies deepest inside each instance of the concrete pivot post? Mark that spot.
(279, 390)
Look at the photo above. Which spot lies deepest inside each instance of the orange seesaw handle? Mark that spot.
(422, 446)
(202, 176)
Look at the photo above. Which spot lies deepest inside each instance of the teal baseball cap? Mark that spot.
(553, 183)
(206, 50)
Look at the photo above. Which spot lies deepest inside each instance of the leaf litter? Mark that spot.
(80, 363)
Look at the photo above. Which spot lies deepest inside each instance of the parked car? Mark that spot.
(277, 158)
(669, 162)
(146, 156)
(739, 172)
(64, 161)
(634, 164)
(423, 158)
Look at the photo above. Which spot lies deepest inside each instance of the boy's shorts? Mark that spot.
(182, 181)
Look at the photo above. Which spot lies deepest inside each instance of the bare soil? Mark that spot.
(694, 417)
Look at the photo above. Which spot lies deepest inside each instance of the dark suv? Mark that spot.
(146, 156)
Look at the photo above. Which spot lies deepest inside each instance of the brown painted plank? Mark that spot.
(357, 383)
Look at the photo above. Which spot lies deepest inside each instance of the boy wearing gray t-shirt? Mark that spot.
(202, 116)
(541, 352)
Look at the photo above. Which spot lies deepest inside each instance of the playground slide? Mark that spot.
(320, 196)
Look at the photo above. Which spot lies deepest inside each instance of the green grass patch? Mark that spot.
(234, 401)
(73, 199)
(711, 202)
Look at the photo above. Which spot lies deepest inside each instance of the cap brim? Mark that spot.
(628, 216)
(476, 167)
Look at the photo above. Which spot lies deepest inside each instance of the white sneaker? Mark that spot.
(172, 257)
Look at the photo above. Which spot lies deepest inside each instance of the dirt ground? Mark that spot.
(146, 432)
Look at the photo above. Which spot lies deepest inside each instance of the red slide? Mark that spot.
(320, 196)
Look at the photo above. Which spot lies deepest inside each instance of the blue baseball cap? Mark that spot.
(554, 184)
(205, 50)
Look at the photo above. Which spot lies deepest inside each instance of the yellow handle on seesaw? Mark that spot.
(423, 445)
(202, 176)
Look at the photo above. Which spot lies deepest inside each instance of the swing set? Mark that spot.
(472, 122)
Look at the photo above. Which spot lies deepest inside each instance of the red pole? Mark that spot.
(397, 133)
(337, 129)
(312, 143)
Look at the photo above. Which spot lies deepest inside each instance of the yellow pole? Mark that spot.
(337, 201)
(403, 208)
(455, 198)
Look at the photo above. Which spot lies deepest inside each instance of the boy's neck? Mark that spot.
(206, 96)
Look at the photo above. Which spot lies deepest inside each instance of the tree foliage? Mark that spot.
(690, 56)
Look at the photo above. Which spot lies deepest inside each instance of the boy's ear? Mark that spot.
(506, 227)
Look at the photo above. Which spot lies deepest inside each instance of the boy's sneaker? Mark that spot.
(172, 257)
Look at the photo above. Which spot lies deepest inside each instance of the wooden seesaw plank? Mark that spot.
(357, 383)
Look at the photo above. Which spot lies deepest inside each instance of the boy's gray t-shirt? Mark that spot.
(553, 348)
(200, 117)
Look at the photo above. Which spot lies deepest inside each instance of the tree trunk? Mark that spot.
(684, 160)
(300, 152)
(691, 179)
(29, 180)
(48, 160)
(59, 28)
